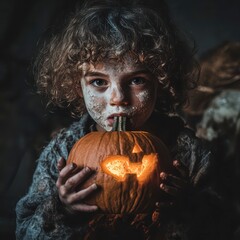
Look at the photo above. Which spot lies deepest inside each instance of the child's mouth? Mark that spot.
(125, 122)
(111, 118)
(110, 121)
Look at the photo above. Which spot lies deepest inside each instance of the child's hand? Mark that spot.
(176, 186)
(68, 187)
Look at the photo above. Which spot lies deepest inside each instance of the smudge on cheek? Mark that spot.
(96, 107)
(143, 96)
(143, 109)
(145, 102)
(93, 104)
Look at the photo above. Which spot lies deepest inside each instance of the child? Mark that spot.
(113, 59)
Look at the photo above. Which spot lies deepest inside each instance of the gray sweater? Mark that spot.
(40, 214)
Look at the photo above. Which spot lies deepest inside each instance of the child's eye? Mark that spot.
(138, 81)
(99, 82)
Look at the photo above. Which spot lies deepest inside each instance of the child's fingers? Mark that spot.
(181, 168)
(73, 200)
(173, 180)
(169, 190)
(82, 194)
(160, 205)
(85, 208)
(77, 179)
(65, 173)
(61, 164)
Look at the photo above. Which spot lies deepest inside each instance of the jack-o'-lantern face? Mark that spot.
(127, 165)
(120, 166)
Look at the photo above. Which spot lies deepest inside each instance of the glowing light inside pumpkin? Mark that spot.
(120, 166)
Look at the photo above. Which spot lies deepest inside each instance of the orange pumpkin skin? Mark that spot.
(129, 193)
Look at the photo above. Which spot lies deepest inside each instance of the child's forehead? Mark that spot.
(126, 65)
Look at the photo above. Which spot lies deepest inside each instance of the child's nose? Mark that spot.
(118, 97)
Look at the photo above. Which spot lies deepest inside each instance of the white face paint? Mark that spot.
(112, 89)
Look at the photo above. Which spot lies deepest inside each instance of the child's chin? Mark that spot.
(107, 128)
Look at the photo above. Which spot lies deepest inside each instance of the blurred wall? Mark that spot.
(209, 22)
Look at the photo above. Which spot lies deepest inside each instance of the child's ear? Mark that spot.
(79, 91)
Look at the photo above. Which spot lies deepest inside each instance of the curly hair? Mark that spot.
(110, 29)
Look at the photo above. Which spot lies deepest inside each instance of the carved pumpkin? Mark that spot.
(127, 165)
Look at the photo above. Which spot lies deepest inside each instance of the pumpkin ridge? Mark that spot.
(125, 189)
(123, 205)
(104, 198)
(149, 141)
(134, 140)
(130, 186)
(133, 206)
(120, 140)
(119, 149)
(105, 195)
(138, 201)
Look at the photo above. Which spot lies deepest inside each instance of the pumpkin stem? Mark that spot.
(119, 123)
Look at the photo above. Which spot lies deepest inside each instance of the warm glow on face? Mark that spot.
(120, 166)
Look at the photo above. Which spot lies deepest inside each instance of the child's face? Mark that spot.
(113, 89)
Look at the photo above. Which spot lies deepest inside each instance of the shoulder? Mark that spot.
(187, 141)
(194, 153)
(183, 144)
(178, 136)
(64, 140)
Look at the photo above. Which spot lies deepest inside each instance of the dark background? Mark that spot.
(26, 124)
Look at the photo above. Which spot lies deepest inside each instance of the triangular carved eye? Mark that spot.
(137, 149)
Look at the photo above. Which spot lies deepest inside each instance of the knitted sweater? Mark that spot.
(40, 214)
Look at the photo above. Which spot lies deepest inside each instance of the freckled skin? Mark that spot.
(118, 88)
